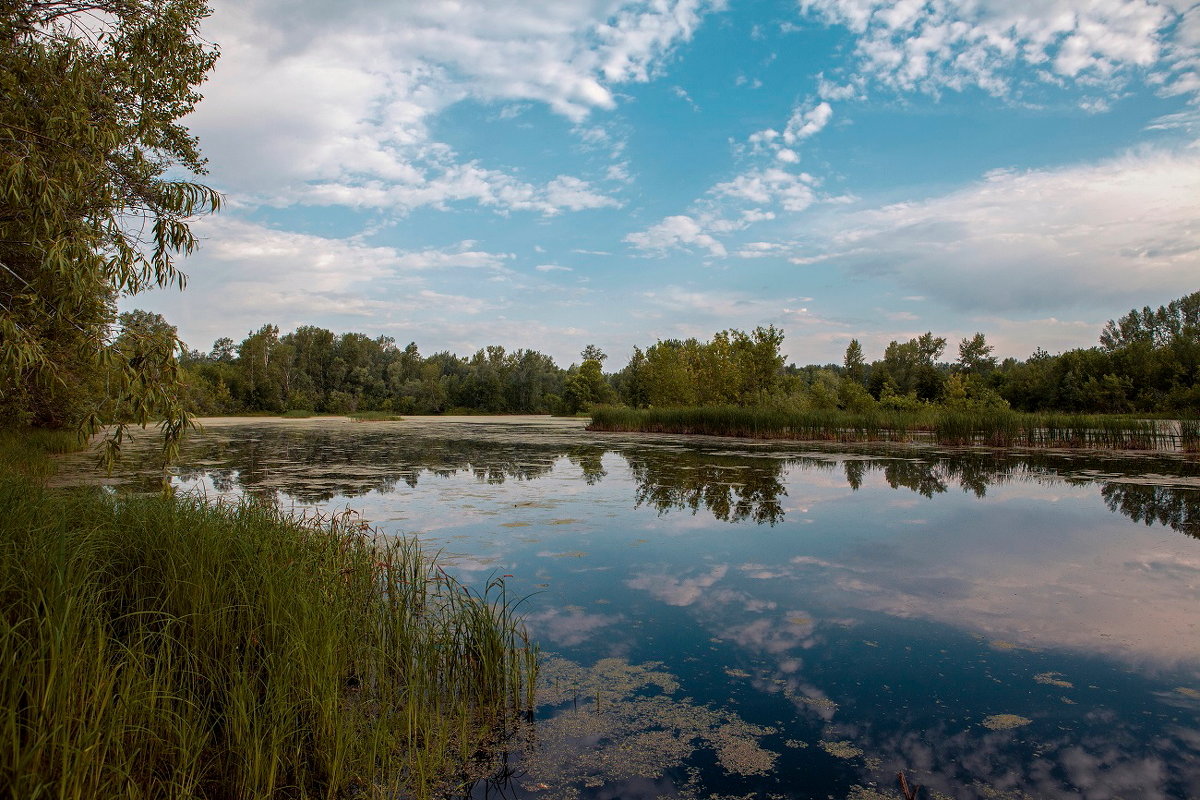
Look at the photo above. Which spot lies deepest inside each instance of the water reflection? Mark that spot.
(731, 489)
(1166, 505)
(316, 465)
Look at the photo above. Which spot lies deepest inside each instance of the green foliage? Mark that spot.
(165, 648)
(315, 369)
(586, 387)
(733, 368)
(854, 361)
(90, 101)
(975, 354)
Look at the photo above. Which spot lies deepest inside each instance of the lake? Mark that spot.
(727, 619)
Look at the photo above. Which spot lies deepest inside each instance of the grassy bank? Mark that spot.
(940, 426)
(167, 648)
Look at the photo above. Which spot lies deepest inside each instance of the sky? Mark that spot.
(546, 174)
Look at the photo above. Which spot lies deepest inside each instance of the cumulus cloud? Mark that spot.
(771, 186)
(255, 274)
(336, 107)
(677, 232)
(996, 45)
(713, 215)
(803, 123)
(1037, 239)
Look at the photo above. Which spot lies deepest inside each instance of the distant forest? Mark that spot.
(1146, 361)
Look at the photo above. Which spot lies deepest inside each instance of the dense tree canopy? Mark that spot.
(91, 97)
(314, 369)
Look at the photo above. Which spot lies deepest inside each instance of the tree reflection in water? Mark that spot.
(316, 465)
(731, 489)
(1167, 505)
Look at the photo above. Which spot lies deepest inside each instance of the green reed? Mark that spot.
(995, 428)
(374, 416)
(159, 647)
(1189, 434)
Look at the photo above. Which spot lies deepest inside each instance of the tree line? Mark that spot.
(1146, 361)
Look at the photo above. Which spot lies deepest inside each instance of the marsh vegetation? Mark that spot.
(168, 647)
(995, 428)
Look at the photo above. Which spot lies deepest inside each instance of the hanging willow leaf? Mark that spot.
(91, 98)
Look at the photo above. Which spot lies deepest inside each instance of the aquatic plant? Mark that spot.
(374, 416)
(996, 428)
(172, 648)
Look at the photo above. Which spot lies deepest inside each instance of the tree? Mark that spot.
(854, 361)
(586, 387)
(91, 94)
(593, 353)
(1178, 319)
(911, 367)
(975, 354)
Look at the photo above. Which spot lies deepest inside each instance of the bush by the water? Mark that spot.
(159, 647)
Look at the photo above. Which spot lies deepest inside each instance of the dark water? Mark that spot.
(729, 619)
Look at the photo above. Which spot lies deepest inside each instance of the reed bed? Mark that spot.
(168, 648)
(934, 425)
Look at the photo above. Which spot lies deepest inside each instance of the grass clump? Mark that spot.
(26, 452)
(158, 647)
(297, 413)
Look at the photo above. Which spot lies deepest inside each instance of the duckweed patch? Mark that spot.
(841, 749)
(1053, 679)
(1005, 722)
(617, 721)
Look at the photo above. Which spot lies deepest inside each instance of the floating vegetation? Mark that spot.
(1004, 722)
(618, 721)
(820, 703)
(1186, 692)
(842, 749)
(993, 428)
(869, 793)
(1053, 679)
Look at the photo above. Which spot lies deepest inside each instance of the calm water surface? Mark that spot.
(728, 619)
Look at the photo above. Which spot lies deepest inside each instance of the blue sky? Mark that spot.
(552, 173)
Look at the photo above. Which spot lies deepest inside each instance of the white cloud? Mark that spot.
(335, 106)
(254, 274)
(806, 123)
(712, 216)
(1038, 239)
(793, 192)
(803, 123)
(997, 45)
(552, 268)
(677, 232)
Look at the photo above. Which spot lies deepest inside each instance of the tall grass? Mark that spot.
(158, 647)
(942, 426)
